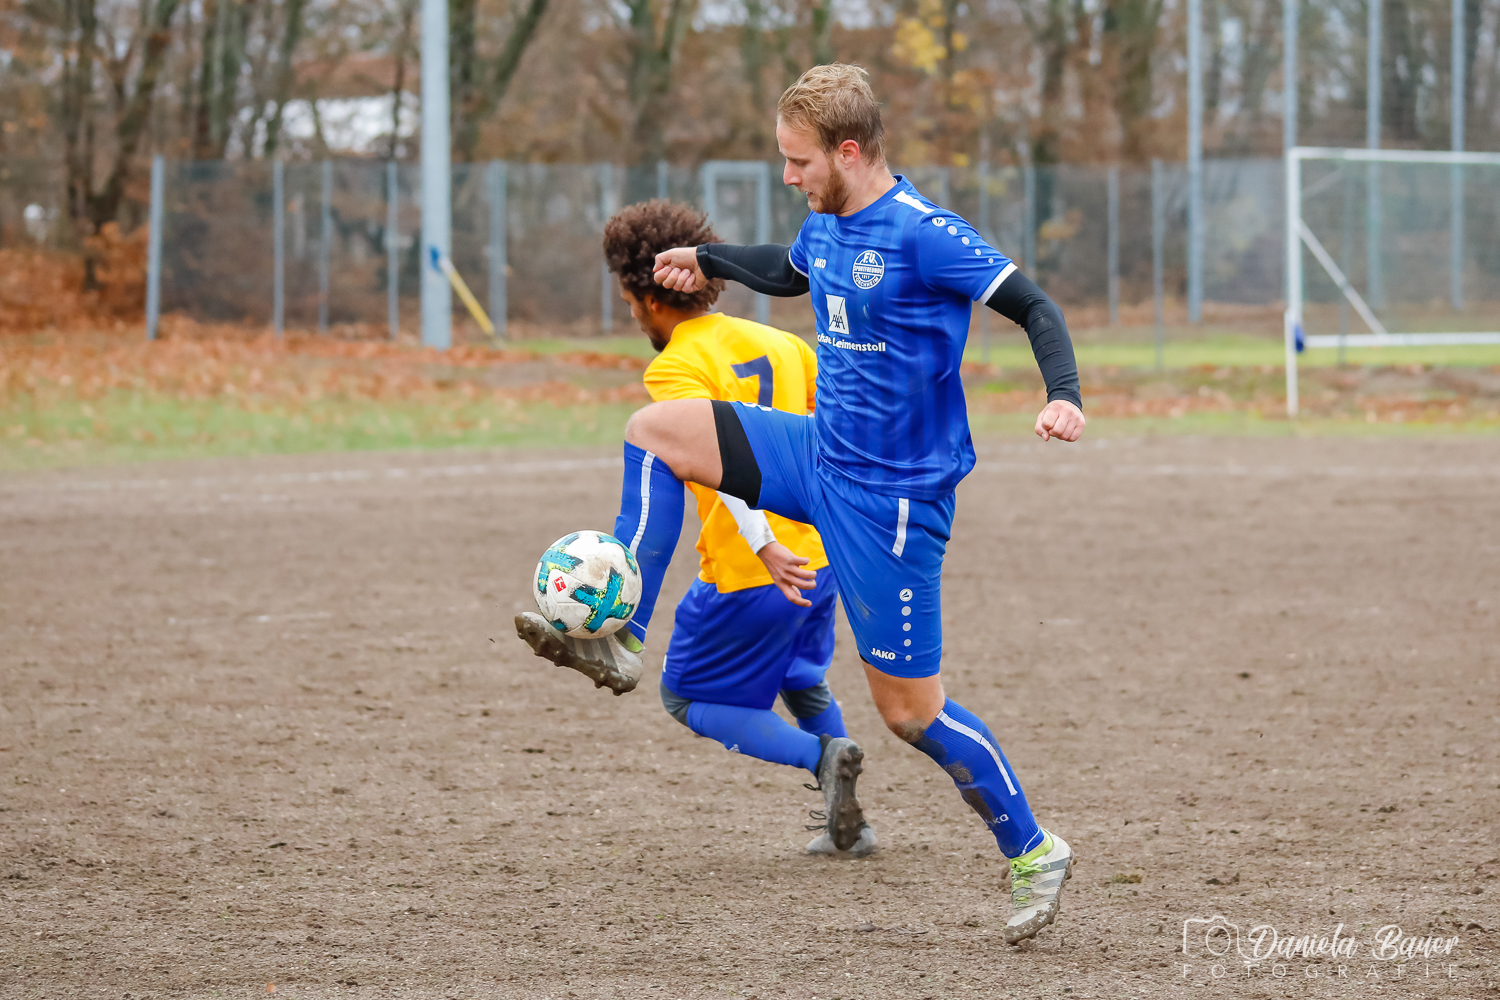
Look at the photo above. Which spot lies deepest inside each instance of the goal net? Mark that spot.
(1390, 248)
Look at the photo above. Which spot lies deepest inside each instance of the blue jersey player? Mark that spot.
(892, 277)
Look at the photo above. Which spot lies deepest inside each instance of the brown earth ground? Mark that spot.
(265, 722)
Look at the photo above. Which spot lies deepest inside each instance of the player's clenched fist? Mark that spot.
(678, 270)
(1060, 419)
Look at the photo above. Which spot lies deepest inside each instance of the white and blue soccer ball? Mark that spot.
(587, 584)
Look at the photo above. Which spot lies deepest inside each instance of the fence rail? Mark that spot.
(313, 245)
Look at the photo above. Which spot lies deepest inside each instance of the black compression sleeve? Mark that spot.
(1019, 299)
(766, 268)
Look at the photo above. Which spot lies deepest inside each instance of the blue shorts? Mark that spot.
(887, 551)
(744, 647)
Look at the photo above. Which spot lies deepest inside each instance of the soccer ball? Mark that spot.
(587, 584)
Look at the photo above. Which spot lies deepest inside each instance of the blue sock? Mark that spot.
(652, 501)
(829, 722)
(756, 732)
(963, 746)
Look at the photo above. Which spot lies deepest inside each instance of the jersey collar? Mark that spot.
(690, 328)
(876, 206)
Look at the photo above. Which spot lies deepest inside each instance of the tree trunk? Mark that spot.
(822, 32)
(105, 206)
(1131, 30)
(403, 45)
(651, 73)
(488, 87)
(291, 35)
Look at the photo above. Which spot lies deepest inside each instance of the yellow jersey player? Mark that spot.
(758, 620)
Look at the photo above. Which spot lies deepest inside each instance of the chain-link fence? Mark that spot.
(526, 236)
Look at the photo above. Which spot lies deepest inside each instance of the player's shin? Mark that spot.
(963, 745)
(759, 733)
(652, 500)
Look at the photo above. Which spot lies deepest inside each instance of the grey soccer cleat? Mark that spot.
(608, 662)
(843, 819)
(863, 847)
(1036, 884)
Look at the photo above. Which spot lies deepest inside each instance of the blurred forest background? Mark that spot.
(90, 88)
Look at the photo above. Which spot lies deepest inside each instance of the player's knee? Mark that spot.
(908, 730)
(642, 429)
(808, 703)
(676, 705)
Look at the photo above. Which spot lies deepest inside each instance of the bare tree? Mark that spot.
(478, 85)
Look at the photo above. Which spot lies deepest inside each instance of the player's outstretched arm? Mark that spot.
(1019, 299)
(766, 268)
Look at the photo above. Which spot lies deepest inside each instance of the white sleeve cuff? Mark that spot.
(999, 280)
(754, 527)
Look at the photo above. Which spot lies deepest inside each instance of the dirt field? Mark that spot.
(254, 729)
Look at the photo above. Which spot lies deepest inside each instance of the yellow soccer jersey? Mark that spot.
(721, 357)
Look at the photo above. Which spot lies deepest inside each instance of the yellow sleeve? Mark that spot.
(672, 378)
(810, 368)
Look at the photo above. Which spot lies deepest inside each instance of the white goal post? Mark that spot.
(1299, 235)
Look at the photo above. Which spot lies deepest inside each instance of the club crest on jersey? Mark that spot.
(838, 315)
(869, 268)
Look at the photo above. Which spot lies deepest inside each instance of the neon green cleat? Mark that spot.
(1036, 883)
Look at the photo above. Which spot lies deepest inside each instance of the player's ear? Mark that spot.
(849, 152)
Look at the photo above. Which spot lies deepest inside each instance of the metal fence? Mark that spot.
(317, 245)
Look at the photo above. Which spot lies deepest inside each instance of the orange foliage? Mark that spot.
(44, 289)
(217, 364)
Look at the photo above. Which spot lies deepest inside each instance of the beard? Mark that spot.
(835, 193)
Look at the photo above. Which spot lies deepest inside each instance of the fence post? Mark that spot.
(1292, 322)
(1113, 185)
(1346, 254)
(1456, 250)
(392, 248)
(606, 209)
(1195, 159)
(495, 174)
(278, 248)
(325, 245)
(988, 237)
(763, 233)
(1373, 238)
(153, 246)
(1158, 260)
(662, 177)
(1028, 220)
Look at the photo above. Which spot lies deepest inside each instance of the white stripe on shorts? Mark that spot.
(903, 507)
(959, 727)
(640, 530)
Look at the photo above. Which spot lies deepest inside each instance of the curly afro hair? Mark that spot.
(634, 237)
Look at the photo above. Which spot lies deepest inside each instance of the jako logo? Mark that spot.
(882, 654)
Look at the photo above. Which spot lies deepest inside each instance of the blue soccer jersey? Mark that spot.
(892, 286)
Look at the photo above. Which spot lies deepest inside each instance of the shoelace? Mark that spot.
(814, 813)
(1021, 873)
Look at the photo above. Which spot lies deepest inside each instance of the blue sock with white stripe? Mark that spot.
(652, 501)
(759, 733)
(963, 746)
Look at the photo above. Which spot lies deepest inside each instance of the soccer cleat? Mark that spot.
(844, 820)
(608, 662)
(863, 847)
(1036, 883)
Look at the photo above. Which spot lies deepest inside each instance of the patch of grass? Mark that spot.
(1237, 424)
(125, 426)
(1231, 351)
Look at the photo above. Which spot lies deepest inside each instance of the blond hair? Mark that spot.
(836, 104)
